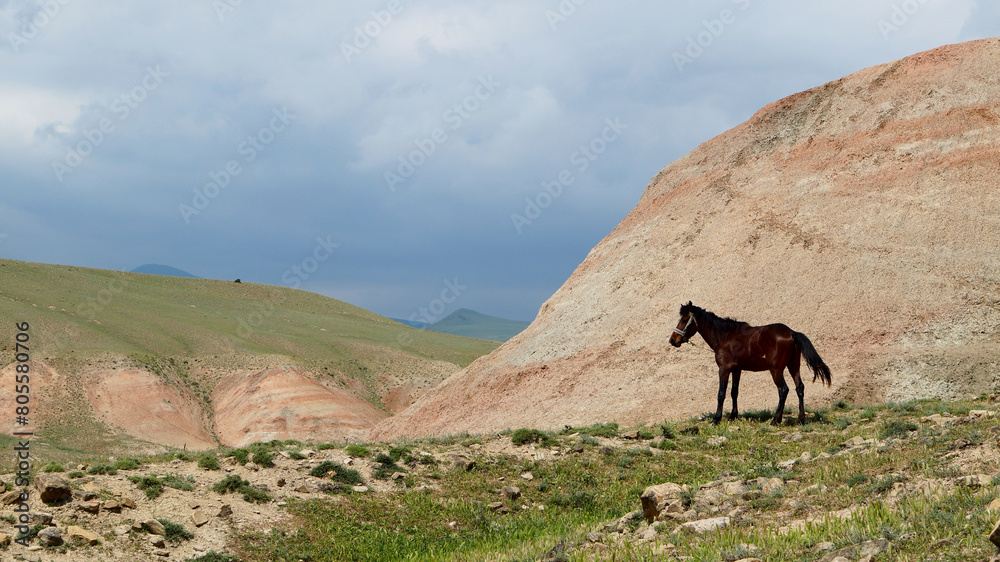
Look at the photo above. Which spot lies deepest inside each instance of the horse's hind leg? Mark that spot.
(800, 387)
(734, 393)
(723, 383)
(779, 381)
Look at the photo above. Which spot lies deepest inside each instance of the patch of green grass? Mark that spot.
(129, 463)
(606, 430)
(102, 469)
(340, 474)
(54, 467)
(153, 485)
(525, 436)
(263, 458)
(897, 428)
(208, 461)
(358, 451)
(241, 455)
(386, 466)
(234, 484)
(175, 532)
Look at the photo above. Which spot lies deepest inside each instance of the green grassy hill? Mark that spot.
(80, 317)
(472, 324)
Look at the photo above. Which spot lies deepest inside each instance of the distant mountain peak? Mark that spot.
(158, 269)
(472, 324)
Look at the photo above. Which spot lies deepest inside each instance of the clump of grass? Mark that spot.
(241, 455)
(606, 430)
(340, 473)
(103, 469)
(153, 485)
(386, 467)
(577, 499)
(668, 430)
(208, 461)
(524, 436)
(175, 532)
(233, 483)
(54, 467)
(130, 463)
(358, 451)
(75, 474)
(897, 428)
(263, 458)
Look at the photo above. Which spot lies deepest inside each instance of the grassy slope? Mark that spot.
(580, 492)
(472, 324)
(78, 315)
(75, 309)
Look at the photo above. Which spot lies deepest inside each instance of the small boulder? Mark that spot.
(89, 506)
(773, 486)
(52, 488)
(511, 492)
(199, 517)
(112, 506)
(995, 535)
(225, 511)
(50, 536)
(655, 498)
(154, 527)
(39, 518)
(157, 541)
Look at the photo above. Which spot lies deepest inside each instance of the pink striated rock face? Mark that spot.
(864, 213)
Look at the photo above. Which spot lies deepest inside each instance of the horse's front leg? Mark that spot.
(779, 381)
(723, 383)
(735, 392)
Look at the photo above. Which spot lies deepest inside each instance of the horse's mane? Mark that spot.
(712, 321)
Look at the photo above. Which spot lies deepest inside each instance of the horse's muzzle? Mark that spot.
(675, 343)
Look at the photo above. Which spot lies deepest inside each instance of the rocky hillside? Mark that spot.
(862, 213)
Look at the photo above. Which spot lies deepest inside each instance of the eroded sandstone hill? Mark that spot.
(864, 212)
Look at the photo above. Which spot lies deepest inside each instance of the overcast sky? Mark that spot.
(409, 157)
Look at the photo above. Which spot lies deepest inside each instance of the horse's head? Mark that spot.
(687, 326)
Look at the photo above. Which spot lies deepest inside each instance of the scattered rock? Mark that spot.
(855, 551)
(112, 506)
(89, 506)
(157, 541)
(716, 441)
(360, 489)
(463, 462)
(52, 488)
(995, 535)
(50, 536)
(656, 498)
(199, 517)
(527, 476)
(511, 492)
(773, 486)
(705, 525)
(10, 498)
(128, 502)
(79, 535)
(38, 518)
(154, 527)
(225, 511)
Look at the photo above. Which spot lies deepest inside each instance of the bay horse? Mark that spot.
(739, 347)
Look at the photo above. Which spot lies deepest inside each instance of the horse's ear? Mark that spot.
(689, 304)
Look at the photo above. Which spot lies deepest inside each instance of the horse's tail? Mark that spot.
(812, 358)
